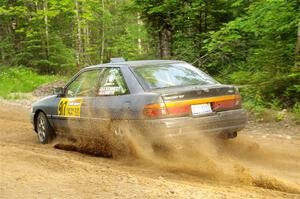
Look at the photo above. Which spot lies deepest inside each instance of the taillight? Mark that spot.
(160, 110)
(227, 104)
(179, 110)
(155, 110)
(183, 108)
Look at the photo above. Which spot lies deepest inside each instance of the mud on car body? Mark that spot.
(160, 98)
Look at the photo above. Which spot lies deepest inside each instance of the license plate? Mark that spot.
(200, 109)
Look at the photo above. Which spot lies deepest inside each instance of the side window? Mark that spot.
(84, 85)
(112, 83)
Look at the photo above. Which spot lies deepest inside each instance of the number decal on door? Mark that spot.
(69, 107)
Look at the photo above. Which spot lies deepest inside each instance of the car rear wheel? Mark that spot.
(44, 130)
(228, 135)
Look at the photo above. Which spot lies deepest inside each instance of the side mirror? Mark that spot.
(59, 91)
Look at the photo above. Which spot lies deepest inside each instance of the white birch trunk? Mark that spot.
(102, 35)
(45, 9)
(78, 38)
(139, 21)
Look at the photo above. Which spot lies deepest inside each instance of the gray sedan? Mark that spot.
(159, 98)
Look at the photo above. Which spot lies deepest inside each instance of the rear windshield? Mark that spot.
(172, 75)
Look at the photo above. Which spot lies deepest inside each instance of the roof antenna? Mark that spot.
(117, 59)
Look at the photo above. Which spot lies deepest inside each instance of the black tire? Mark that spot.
(227, 135)
(44, 130)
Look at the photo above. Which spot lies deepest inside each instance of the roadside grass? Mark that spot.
(15, 81)
(296, 112)
(271, 112)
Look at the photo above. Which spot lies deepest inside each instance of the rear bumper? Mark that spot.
(226, 121)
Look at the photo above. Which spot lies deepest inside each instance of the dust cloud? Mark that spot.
(240, 161)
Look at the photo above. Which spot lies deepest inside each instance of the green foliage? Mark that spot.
(258, 50)
(187, 24)
(34, 54)
(51, 36)
(280, 116)
(129, 38)
(268, 89)
(247, 43)
(21, 80)
(30, 40)
(296, 111)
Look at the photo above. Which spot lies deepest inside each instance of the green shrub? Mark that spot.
(21, 80)
(296, 112)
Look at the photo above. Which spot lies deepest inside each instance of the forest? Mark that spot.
(254, 44)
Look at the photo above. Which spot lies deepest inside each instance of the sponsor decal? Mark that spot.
(109, 90)
(69, 107)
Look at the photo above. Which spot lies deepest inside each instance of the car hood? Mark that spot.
(44, 101)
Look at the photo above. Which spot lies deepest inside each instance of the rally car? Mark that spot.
(158, 98)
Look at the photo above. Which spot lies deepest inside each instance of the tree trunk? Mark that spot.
(297, 52)
(164, 41)
(87, 36)
(205, 17)
(139, 21)
(78, 38)
(86, 46)
(2, 51)
(102, 35)
(45, 8)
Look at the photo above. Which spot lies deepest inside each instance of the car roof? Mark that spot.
(134, 63)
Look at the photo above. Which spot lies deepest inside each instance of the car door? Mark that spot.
(113, 99)
(75, 108)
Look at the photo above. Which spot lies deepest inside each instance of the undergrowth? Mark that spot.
(17, 80)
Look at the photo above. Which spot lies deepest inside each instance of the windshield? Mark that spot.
(172, 75)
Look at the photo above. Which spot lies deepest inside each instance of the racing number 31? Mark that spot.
(69, 107)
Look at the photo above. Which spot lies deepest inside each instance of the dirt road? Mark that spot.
(260, 163)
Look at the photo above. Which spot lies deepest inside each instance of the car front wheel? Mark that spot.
(44, 130)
